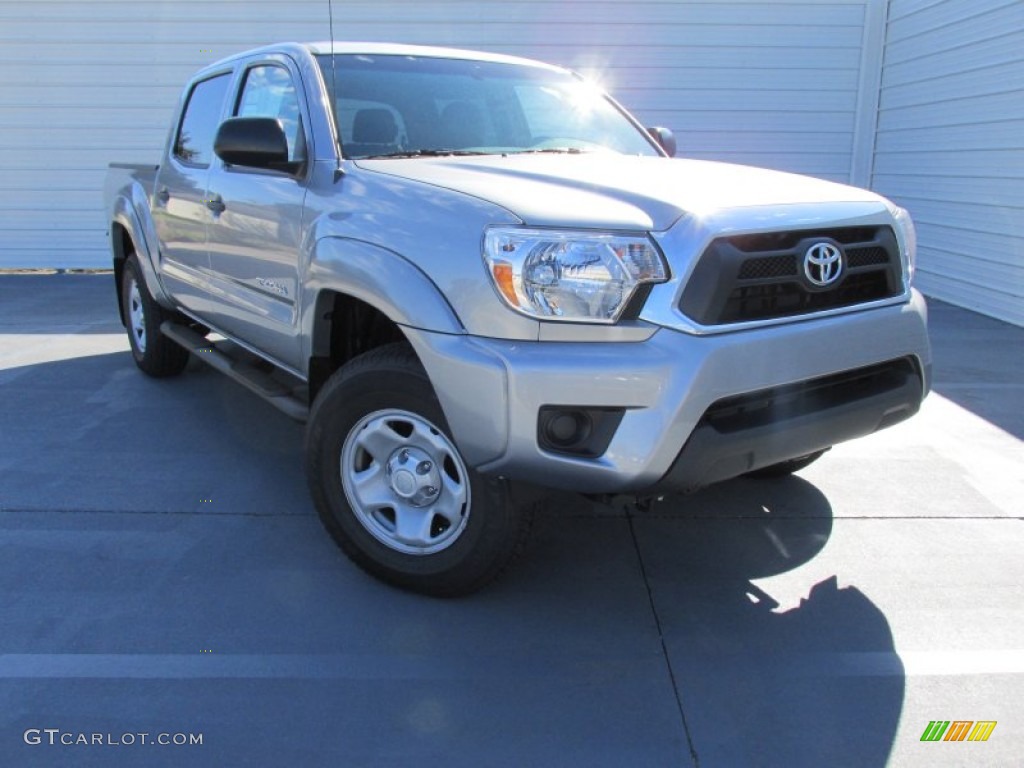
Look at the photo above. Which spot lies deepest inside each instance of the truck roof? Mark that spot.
(386, 49)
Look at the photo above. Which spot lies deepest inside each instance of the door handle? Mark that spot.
(163, 195)
(216, 204)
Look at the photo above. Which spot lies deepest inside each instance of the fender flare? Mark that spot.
(381, 278)
(125, 214)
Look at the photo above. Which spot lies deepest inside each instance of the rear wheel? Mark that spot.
(154, 353)
(392, 488)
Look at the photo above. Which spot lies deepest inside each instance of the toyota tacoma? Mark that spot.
(475, 276)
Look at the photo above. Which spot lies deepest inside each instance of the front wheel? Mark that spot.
(392, 488)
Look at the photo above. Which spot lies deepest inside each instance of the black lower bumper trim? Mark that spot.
(740, 434)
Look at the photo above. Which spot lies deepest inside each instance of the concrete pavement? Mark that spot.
(164, 573)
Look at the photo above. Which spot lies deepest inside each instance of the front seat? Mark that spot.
(374, 132)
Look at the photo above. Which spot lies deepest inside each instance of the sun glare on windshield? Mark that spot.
(390, 106)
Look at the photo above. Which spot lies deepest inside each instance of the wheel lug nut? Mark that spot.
(430, 490)
(403, 455)
(423, 467)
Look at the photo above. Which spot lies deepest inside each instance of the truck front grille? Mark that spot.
(745, 278)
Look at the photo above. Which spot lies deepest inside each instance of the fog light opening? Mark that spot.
(581, 431)
(565, 429)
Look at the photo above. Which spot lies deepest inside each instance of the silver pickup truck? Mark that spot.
(475, 276)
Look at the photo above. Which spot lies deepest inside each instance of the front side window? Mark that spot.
(270, 92)
(194, 142)
(400, 105)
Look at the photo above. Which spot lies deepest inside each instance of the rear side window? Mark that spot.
(194, 142)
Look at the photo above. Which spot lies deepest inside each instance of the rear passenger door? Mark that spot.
(180, 204)
(255, 237)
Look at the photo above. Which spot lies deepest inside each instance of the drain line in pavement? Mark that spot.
(661, 639)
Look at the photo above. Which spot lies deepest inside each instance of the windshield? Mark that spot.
(404, 106)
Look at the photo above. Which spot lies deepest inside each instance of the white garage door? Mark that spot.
(950, 145)
(83, 84)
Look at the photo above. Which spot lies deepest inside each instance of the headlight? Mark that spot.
(907, 236)
(574, 276)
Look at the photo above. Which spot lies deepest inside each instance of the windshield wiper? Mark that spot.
(425, 153)
(551, 150)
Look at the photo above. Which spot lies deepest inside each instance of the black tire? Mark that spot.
(468, 528)
(786, 468)
(154, 353)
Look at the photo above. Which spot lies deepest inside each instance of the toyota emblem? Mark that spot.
(823, 264)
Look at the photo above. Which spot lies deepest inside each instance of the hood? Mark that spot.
(611, 191)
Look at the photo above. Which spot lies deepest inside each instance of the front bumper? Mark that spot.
(492, 392)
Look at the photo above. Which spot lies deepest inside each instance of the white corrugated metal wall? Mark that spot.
(921, 99)
(86, 83)
(950, 145)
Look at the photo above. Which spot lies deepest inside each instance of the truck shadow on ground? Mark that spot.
(588, 639)
(94, 433)
(759, 683)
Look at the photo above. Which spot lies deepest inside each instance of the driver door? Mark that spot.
(255, 235)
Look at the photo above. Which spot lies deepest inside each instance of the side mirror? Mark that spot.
(254, 142)
(666, 140)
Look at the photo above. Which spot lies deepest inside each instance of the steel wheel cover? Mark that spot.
(136, 316)
(405, 482)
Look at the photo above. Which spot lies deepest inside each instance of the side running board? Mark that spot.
(252, 378)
